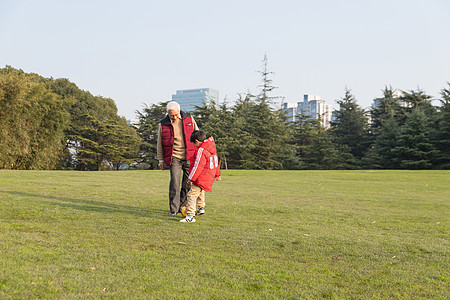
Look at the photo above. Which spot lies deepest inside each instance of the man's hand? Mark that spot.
(161, 166)
(189, 182)
(218, 178)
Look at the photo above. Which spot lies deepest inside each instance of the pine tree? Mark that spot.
(241, 152)
(218, 123)
(264, 126)
(149, 119)
(388, 107)
(442, 140)
(349, 129)
(380, 154)
(414, 149)
(313, 146)
(383, 131)
(418, 99)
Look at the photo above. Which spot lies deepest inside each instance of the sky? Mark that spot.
(140, 52)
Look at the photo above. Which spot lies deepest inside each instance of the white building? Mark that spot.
(313, 106)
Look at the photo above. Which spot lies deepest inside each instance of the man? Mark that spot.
(174, 149)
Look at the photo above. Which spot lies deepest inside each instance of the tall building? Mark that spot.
(188, 99)
(313, 106)
(291, 110)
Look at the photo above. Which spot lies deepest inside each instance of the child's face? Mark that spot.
(197, 143)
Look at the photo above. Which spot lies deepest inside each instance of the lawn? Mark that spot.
(265, 235)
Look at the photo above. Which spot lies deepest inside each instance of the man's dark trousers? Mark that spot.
(177, 194)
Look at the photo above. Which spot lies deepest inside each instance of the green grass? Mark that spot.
(266, 235)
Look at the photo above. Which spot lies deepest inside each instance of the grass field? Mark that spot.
(265, 235)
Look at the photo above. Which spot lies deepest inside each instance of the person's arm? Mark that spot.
(199, 164)
(159, 149)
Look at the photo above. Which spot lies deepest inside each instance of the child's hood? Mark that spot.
(209, 145)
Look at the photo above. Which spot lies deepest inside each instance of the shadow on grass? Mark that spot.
(93, 206)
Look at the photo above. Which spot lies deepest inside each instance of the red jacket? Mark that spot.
(205, 165)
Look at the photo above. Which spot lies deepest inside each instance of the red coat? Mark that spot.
(205, 165)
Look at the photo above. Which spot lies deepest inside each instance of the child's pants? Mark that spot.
(195, 198)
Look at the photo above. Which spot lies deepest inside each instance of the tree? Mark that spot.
(149, 119)
(106, 144)
(418, 99)
(264, 128)
(414, 149)
(219, 123)
(241, 155)
(93, 129)
(442, 139)
(383, 131)
(349, 129)
(313, 146)
(32, 122)
(381, 154)
(415, 99)
(388, 107)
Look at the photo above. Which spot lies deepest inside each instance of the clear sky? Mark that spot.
(138, 51)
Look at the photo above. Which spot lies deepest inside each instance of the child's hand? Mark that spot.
(218, 178)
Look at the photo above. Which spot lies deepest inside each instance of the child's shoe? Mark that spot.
(188, 219)
(200, 211)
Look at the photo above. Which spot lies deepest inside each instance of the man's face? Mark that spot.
(174, 114)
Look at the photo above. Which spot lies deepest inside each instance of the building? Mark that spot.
(313, 106)
(188, 99)
(291, 110)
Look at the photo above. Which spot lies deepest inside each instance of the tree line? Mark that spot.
(403, 133)
(52, 124)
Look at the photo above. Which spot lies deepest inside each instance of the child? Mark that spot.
(202, 172)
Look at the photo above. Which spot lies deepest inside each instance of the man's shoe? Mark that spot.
(172, 214)
(188, 219)
(200, 211)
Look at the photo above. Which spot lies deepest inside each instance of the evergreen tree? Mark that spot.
(418, 99)
(415, 99)
(388, 107)
(241, 152)
(381, 154)
(106, 144)
(120, 143)
(349, 130)
(442, 140)
(313, 146)
(218, 123)
(414, 149)
(149, 119)
(92, 118)
(383, 131)
(265, 127)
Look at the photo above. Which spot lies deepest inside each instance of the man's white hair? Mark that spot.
(173, 105)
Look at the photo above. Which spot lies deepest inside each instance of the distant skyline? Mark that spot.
(138, 52)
